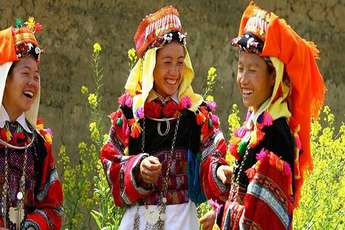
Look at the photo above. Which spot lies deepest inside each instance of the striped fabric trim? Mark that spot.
(266, 196)
(135, 167)
(219, 183)
(218, 136)
(30, 223)
(52, 178)
(44, 214)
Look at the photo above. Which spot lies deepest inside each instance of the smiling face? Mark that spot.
(254, 80)
(169, 69)
(22, 87)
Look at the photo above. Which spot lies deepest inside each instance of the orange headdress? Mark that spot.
(15, 43)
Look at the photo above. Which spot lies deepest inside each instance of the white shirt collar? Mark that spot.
(153, 95)
(21, 119)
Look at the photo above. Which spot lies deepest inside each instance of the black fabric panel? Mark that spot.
(188, 135)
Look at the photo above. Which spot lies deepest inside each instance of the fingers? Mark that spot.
(151, 163)
(150, 169)
(224, 174)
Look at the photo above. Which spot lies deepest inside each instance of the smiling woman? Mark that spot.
(168, 69)
(165, 148)
(31, 194)
(255, 79)
(22, 87)
(283, 90)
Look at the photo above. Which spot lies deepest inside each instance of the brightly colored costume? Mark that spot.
(31, 194)
(182, 131)
(272, 148)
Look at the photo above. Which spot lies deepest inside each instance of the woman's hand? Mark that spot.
(224, 174)
(207, 220)
(150, 169)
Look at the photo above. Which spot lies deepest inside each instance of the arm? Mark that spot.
(122, 171)
(213, 150)
(47, 213)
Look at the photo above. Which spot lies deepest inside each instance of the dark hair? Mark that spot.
(270, 66)
(11, 68)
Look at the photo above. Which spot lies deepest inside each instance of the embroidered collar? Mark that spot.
(5, 117)
(153, 95)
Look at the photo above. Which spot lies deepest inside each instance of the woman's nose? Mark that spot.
(174, 70)
(242, 77)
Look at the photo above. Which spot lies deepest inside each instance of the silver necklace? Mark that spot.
(159, 123)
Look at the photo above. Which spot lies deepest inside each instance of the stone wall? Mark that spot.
(72, 26)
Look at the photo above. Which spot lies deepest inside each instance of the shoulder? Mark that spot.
(278, 139)
(46, 134)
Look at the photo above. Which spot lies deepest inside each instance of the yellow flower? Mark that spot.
(97, 48)
(209, 98)
(31, 23)
(212, 71)
(82, 146)
(92, 100)
(94, 131)
(131, 54)
(84, 90)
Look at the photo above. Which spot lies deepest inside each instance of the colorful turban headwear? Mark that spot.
(15, 43)
(154, 31)
(299, 93)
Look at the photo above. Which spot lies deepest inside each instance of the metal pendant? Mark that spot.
(167, 129)
(151, 215)
(16, 216)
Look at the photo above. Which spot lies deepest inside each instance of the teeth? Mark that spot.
(171, 82)
(29, 94)
(247, 91)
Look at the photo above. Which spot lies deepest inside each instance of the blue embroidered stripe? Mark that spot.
(265, 195)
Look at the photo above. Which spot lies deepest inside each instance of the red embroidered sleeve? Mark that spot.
(49, 199)
(122, 171)
(213, 152)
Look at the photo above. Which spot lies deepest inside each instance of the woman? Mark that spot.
(165, 148)
(283, 90)
(31, 195)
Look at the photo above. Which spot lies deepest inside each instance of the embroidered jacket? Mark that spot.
(43, 191)
(198, 152)
(261, 194)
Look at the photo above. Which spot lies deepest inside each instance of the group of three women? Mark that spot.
(166, 153)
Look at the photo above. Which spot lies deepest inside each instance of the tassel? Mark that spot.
(242, 148)
(119, 121)
(250, 173)
(210, 123)
(286, 169)
(260, 156)
(233, 151)
(136, 130)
